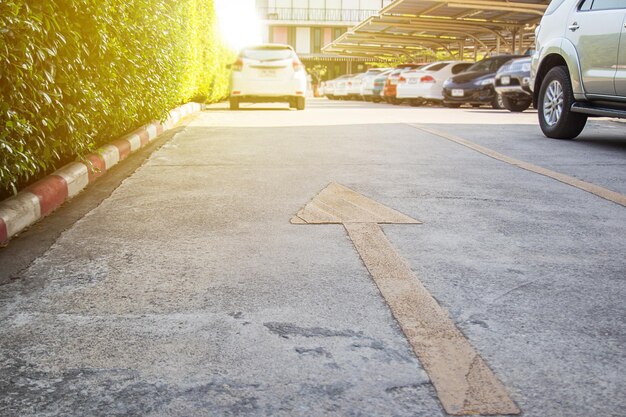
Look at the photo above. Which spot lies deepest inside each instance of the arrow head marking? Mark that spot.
(337, 204)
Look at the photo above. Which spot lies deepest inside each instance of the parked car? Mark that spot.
(475, 85)
(512, 83)
(341, 87)
(268, 73)
(379, 86)
(389, 90)
(331, 85)
(426, 84)
(367, 82)
(354, 86)
(579, 68)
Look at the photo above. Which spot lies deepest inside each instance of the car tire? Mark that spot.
(234, 103)
(497, 102)
(416, 102)
(515, 105)
(376, 100)
(556, 97)
(300, 103)
(451, 105)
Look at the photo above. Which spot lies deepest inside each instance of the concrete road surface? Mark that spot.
(184, 290)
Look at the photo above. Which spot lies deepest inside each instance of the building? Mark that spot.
(309, 25)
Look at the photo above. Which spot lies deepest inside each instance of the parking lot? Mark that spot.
(193, 286)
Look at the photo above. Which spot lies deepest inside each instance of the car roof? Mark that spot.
(503, 57)
(269, 46)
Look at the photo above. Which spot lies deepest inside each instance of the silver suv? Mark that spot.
(579, 68)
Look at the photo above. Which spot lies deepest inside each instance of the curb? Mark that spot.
(43, 197)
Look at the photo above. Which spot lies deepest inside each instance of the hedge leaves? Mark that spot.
(75, 74)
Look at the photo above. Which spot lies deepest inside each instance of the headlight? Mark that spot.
(526, 67)
(488, 81)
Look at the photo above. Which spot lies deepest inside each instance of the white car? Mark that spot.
(341, 87)
(354, 86)
(367, 82)
(268, 73)
(426, 84)
(331, 85)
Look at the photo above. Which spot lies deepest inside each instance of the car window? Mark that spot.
(435, 67)
(554, 4)
(267, 53)
(481, 66)
(606, 4)
(501, 61)
(460, 68)
(520, 64)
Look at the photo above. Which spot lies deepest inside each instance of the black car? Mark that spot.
(475, 85)
(513, 84)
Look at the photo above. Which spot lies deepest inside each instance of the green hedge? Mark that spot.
(75, 74)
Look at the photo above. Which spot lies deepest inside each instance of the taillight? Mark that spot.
(238, 65)
(401, 80)
(427, 79)
(297, 65)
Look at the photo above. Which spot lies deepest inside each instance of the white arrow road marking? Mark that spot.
(464, 382)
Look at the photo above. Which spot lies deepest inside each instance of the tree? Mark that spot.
(317, 72)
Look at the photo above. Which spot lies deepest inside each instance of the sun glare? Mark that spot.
(239, 23)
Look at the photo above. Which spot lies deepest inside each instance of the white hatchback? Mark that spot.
(268, 73)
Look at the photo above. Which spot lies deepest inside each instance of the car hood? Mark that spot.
(466, 77)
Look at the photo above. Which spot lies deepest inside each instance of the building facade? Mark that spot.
(309, 25)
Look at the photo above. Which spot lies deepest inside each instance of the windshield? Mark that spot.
(490, 64)
(267, 53)
(520, 64)
(434, 67)
(481, 66)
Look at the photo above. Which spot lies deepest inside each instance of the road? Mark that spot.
(180, 284)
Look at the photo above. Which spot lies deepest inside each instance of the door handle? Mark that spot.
(574, 27)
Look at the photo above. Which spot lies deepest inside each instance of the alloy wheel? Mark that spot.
(553, 103)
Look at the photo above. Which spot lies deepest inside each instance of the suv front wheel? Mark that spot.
(554, 107)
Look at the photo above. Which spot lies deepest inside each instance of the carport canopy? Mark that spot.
(409, 28)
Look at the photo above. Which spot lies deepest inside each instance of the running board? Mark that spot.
(598, 111)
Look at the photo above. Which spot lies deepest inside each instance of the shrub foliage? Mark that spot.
(75, 74)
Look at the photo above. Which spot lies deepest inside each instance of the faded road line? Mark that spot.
(464, 382)
(566, 179)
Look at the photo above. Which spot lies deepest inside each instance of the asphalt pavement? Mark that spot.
(183, 287)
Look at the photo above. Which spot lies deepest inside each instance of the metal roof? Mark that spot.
(410, 27)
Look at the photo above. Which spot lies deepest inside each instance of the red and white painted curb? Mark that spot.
(43, 197)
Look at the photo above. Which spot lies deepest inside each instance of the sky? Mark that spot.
(239, 23)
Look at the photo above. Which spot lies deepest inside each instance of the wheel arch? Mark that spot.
(562, 54)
